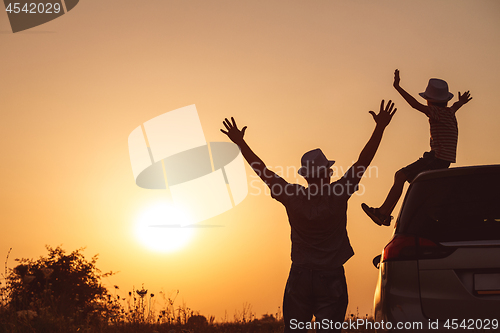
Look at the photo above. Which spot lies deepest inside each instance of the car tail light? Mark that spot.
(401, 247)
(406, 247)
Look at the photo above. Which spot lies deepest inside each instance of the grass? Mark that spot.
(47, 324)
(158, 322)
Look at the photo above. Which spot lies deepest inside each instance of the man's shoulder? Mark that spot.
(295, 186)
(286, 190)
(344, 187)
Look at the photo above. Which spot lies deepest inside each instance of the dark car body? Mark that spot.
(442, 265)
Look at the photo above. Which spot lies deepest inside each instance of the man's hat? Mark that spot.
(437, 91)
(313, 162)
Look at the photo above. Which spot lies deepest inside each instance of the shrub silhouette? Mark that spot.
(62, 284)
(197, 321)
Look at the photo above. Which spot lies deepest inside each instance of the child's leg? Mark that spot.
(381, 215)
(394, 194)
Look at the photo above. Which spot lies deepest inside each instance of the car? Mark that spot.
(441, 269)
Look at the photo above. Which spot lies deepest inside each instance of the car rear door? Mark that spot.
(457, 223)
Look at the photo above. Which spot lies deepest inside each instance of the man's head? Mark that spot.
(316, 167)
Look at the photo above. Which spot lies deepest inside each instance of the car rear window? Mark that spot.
(460, 208)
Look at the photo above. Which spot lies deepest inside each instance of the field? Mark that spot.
(22, 324)
(62, 292)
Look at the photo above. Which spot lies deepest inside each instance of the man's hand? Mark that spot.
(383, 118)
(464, 98)
(236, 135)
(396, 78)
(233, 132)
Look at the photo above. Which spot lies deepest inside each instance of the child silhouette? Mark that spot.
(444, 137)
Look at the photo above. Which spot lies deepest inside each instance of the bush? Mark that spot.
(62, 285)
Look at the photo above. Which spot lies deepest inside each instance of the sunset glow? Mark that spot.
(300, 74)
(162, 227)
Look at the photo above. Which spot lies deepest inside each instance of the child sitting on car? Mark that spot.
(444, 137)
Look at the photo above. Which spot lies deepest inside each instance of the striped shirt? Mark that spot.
(444, 132)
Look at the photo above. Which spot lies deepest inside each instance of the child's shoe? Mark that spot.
(375, 215)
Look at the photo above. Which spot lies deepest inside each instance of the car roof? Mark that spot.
(459, 171)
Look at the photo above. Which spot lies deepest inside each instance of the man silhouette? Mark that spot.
(318, 216)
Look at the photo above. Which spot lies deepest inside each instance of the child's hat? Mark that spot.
(313, 162)
(437, 91)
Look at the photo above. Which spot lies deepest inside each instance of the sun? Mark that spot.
(161, 227)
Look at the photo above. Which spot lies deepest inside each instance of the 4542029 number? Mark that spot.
(34, 8)
(471, 324)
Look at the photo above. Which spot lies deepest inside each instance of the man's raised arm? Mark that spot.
(236, 135)
(382, 119)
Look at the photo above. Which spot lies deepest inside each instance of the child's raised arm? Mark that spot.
(409, 98)
(462, 99)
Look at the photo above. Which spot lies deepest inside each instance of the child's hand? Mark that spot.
(396, 78)
(233, 132)
(464, 98)
(383, 118)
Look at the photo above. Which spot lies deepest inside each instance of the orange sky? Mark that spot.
(300, 74)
